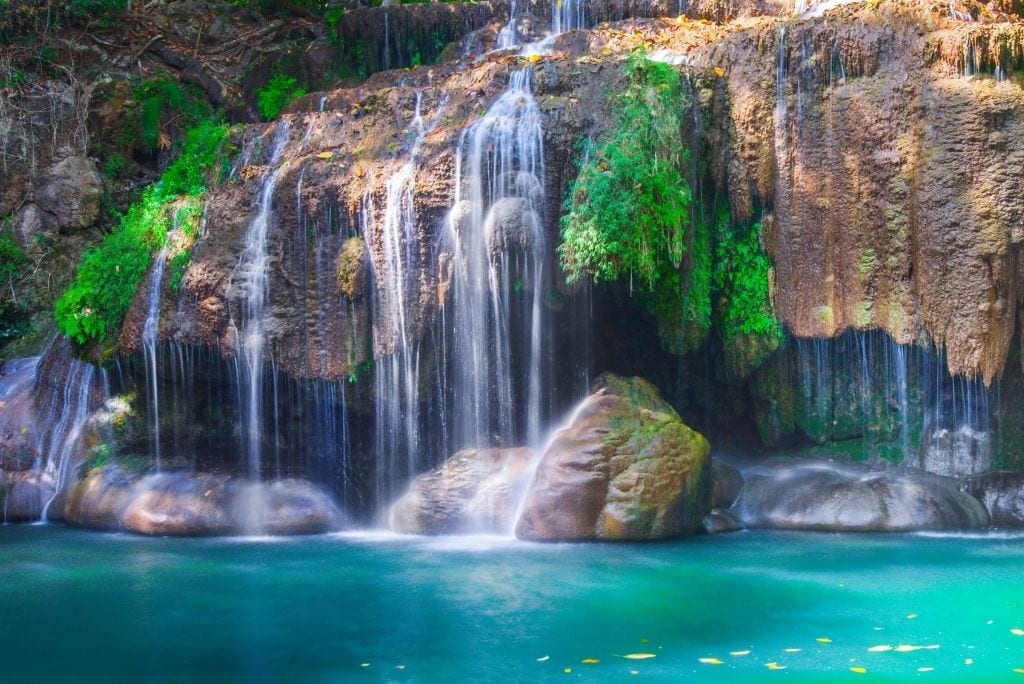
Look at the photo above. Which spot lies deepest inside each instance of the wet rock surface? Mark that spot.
(199, 504)
(476, 490)
(1002, 494)
(823, 495)
(625, 469)
(720, 521)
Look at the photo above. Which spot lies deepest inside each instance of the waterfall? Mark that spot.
(62, 388)
(251, 276)
(567, 15)
(396, 297)
(494, 235)
(150, 338)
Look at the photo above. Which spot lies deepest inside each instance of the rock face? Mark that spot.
(1002, 493)
(476, 490)
(199, 504)
(24, 497)
(726, 484)
(625, 469)
(822, 495)
(70, 192)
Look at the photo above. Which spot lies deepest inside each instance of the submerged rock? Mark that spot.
(822, 495)
(625, 469)
(1002, 494)
(476, 490)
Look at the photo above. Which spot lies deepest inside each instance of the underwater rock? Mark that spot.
(726, 484)
(823, 495)
(626, 469)
(720, 521)
(476, 490)
(1002, 494)
(99, 500)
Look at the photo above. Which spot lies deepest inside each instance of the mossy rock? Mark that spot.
(352, 268)
(626, 469)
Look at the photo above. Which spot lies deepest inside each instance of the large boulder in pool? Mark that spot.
(1002, 494)
(823, 495)
(476, 490)
(181, 504)
(284, 507)
(625, 469)
(99, 500)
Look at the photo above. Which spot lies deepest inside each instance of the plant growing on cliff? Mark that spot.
(629, 210)
(94, 305)
(276, 94)
(741, 280)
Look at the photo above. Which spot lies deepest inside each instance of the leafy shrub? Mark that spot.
(94, 305)
(629, 210)
(276, 94)
(159, 100)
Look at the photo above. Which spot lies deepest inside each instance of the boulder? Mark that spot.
(511, 225)
(70, 191)
(476, 490)
(284, 507)
(181, 504)
(823, 495)
(626, 468)
(720, 521)
(25, 497)
(1002, 494)
(726, 484)
(100, 499)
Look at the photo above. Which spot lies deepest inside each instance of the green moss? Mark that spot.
(92, 308)
(629, 214)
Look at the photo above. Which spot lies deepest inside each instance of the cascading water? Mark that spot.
(150, 339)
(63, 386)
(494, 235)
(250, 275)
(395, 297)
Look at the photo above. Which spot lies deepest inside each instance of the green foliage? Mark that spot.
(13, 261)
(629, 211)
(94, 305)
(741, 280)
(106, 10)
(629, 208)
(160, 100)
(276, 94)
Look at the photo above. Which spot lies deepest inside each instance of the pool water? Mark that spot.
(83, 606)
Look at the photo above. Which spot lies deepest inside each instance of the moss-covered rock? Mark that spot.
(352, 268)
(626, 469)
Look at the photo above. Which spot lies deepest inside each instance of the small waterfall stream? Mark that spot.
(150, 339)
(251, 276)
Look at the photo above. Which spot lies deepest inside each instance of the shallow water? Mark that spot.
(377, 607)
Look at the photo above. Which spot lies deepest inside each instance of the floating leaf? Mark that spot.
(544, 659)
(793, 650)
(925, 669)
(638, 656)
(968, 661)
(880, 649)
(823, 640)
(907, 648)
(1017, 631)
(775, 666)
(710, 661)
(1019, 670)
(912, 616)
(857, 669)
(567, 670)
(739, 653)
(590, 661)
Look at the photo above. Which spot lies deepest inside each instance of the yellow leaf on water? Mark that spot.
(880, 649)
(634, 672)
(925, 669)
(969, 661)
(364, 664)
(775, 666)
(710, 661)
(1017, 631)
(638, 656)
(739, 653)
(931, 647)
(590, 661)
(567, 670)
(543, 659)
(912, 616)
(1019, 670)
(907, 648)
(793, 650)
(859, 670)
(823, 640)
(644, 640)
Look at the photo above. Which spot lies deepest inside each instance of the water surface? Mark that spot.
(376, 607)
